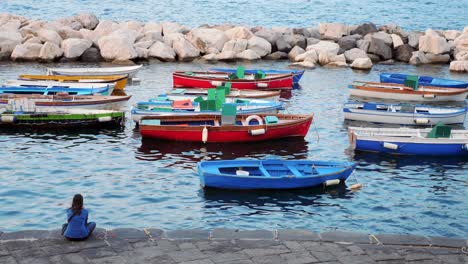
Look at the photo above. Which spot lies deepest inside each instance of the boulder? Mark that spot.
(362, 64)
(353, 54)
(283, 30)
(378, 47)
(387, 38)
(226, 55)
(11, 25)
(461, 55)
(142, 53)
(185, 50)
(295, 52)
(432, 42)
(248, 54)
(91, 55)
(374, 58)
(50, 51)
(162, 52)
(209, 57)
(153, 35)
(332, 31)
(348, 42)
(132, 25)
(365, 29)
(311, 33)
(394, 29)
(104, 28)
(268, 34)
(259, 45)
(33, 40)
(8, 41)
(144, 44)
(49, 35)
(404, 52)
(363, 44)
(461, 42)
(172, 27)
(397, 41)
(117, 47)
(235, 45)
(418, 57)
(66, 32)
(27, 51)
(337, 60)
(458, 66)
(277, 55)
(74, 47)
(210, 37)
(282, 44)
(452, 34)
(312, 41)
(310, 55)
(169, 39)
(152, 26)
(71, 22)
(413, 38)
(88, 20)
(303, 65)
(239, 33)
(330, 48)
(437, 58)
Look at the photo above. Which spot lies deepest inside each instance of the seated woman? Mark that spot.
(77, 228)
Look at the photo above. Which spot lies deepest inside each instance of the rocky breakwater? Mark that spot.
(85, 38)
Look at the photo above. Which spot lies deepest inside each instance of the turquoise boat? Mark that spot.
(106, 90)
(422, 80)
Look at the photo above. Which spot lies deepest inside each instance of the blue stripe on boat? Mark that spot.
(423, 80)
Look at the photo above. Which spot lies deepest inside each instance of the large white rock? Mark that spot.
(117, 47)
(387, 38)
(104, 28)
(235, 45)
(33, 40)
(144, 44)
(261, 46)
(452, 34)
(27, 51)
(332, 31)
(50, 51)
(397, 41)
(295, 52)
(152, 26)
(310, 55)
(132, 24)
(269, 34)
(248, 54)
(49, 35)
(353, 54)
(169, 39)
(330, 48)
(8, 42)
(461, 42)
(88, 20)
(142, 53)
(185, 50)
(432, 42)
(458, 66)
(363, 44)
(418, 57)
(338, 60)
(210, 37)
(172, 27)
(362, 64)
(162, 52)
(74, 47)
(11, 25)
(413, 38)
(66, 32)
(239, 33)
(303, 64)
(226, 55)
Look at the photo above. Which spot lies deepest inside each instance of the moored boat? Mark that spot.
(404, 114)
(119, 80)
(213, 128)
(234, 93)
(297, 74)
(422, 80)
(403, 93)
(55, 84)
(97, 71)
(246, 174)
(54, 90)
(248, 81)
(438, 141)
(182, 105)
(60, 119)
(65, 101)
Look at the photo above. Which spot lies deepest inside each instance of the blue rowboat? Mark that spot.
(423, 80)
(403, 114)
(297, 74)
(185, 105)
(438, 141)
(245, 174)
(106, 90)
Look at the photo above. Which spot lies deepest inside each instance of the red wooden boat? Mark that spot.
(215, 79)
(207, 128)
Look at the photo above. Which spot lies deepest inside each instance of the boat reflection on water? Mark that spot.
(65, 133)
(289, 148)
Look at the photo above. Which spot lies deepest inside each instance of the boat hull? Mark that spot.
(423, 80)
(406, 96)
(297, 74)
(109, 71)
(247, 94)
(120, 81)
(420, 149)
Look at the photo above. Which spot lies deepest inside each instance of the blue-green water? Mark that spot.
(410, 15)
(130, 182)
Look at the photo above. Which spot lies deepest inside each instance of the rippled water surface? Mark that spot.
(411, 15)
(130, 182)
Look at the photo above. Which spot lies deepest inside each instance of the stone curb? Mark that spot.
(135, 235)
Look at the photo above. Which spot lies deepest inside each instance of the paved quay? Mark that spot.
(228, 246)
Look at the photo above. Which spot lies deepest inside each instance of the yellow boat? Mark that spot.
(119, 80)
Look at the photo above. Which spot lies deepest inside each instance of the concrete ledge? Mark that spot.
(340, 236)
(448, 242)
(408, 240)
(27, 234)
(192, 234)
(224, 233)
(296, 234)
(155, 233)
(129, 234)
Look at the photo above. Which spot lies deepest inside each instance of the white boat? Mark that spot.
(437, 141)
(55, 84)
(121, 70)
(248, 94)
(403, 114)
(403, 93)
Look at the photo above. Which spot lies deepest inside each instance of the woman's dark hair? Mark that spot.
(77, 204)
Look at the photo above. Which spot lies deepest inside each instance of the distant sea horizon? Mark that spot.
(416, 15)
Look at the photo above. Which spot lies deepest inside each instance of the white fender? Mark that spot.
(256, 132)
(7, 119)
(332, 182)
(262, 85)
(421, 121)
(390, 145)
(429, 96)
(256, 117)
(205, 135)
(216, 83)
(104, 119)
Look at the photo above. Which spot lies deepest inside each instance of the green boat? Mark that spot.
(62, 119)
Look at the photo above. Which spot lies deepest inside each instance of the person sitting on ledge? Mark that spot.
(77, 228)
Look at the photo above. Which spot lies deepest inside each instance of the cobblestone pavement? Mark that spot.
(228, 246)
